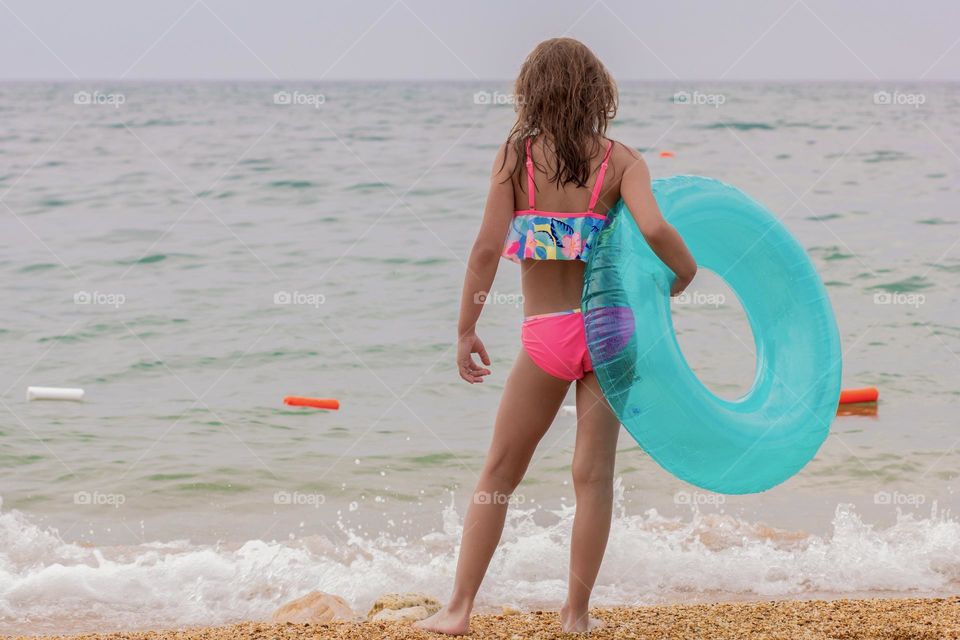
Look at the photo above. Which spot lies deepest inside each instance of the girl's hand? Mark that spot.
(467, 345)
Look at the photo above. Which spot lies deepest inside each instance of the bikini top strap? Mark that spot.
(531, 185)
(599, 185)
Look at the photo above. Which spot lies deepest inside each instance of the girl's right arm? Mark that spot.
(660, 235)
(482, 266)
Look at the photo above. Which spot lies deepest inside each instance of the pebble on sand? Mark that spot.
(316, 607)
(408, 607)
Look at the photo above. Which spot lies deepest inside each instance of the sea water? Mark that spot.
(190, 253)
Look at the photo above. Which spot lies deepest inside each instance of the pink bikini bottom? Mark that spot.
(557, 343)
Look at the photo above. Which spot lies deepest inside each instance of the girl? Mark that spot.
(552, 183)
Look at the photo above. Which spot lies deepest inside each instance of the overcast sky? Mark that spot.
(889, 40)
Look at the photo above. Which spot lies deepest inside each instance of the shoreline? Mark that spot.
(850, 619)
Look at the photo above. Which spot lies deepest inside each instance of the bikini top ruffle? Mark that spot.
(553, 235)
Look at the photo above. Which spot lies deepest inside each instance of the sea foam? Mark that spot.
(49, 585)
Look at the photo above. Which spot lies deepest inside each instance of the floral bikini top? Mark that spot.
(552, 235)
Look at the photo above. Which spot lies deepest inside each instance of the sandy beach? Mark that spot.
(893, 619)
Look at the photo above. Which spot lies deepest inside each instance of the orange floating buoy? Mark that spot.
(865, 394)
(666, 154)
(316, 403)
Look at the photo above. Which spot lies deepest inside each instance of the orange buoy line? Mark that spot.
(316, 403)
(666, 154)
(864, 394)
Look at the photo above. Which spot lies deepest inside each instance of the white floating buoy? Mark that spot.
(54, 393)
(568, 410)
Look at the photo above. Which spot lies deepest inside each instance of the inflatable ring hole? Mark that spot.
(715, 336)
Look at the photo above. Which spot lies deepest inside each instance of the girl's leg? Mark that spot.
(531, 399)
(593, 460)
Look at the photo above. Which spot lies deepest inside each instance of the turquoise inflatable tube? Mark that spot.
(741, 446)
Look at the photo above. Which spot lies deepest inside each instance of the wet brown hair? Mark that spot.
(564, 92)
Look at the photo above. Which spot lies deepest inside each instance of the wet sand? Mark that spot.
(927, 618)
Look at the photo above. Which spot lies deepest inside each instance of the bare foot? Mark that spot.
(446, 621)
(577, 622)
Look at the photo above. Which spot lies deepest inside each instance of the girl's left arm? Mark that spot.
(482, 265)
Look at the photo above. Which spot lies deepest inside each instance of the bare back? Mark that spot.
(556, 285)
